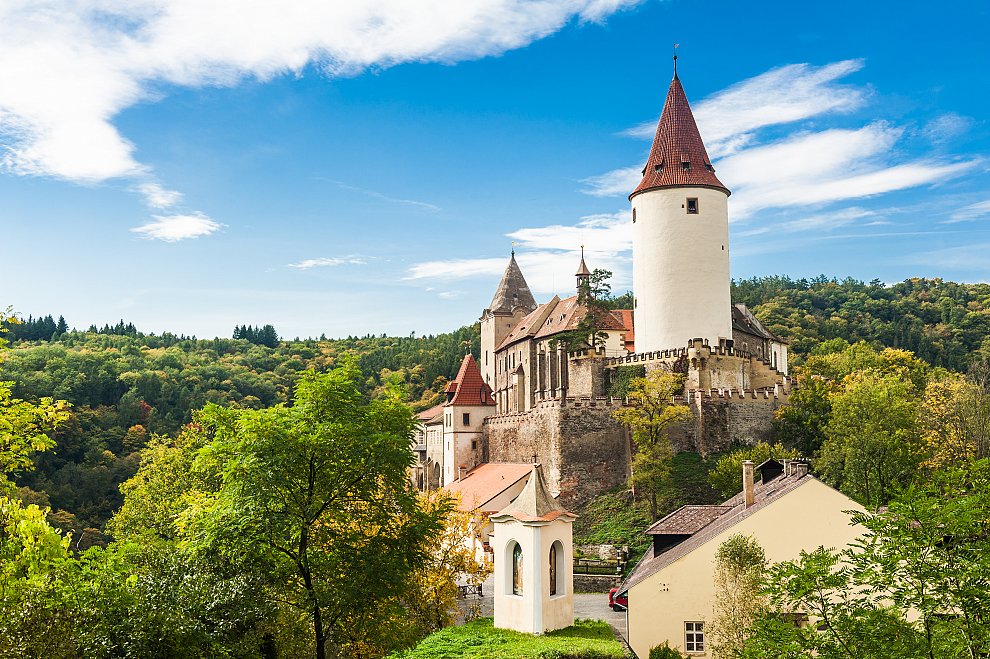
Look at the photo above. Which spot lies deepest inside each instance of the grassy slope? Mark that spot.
(587, 639)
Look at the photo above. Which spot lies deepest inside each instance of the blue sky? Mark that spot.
(345, 168)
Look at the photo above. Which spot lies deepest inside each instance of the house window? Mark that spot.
(466, 418)
(692, 206)
(517, 569)
(694, 636)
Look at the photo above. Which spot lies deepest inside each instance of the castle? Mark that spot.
(528, 400)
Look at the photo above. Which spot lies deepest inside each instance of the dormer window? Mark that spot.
(686, 165)
(709, 167)
(658, 167)
(692, 206)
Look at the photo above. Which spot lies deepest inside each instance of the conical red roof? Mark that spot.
(468, 388)
(678, 157)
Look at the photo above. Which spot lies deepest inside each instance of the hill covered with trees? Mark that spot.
(126, 386)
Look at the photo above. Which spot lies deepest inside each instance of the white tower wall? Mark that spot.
(680, 268)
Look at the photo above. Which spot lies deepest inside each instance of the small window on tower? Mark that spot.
(466, 418)
(692, 206)
(686, 166)
(709, 167)
(634, 216)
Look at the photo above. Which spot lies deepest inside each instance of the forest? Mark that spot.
(121, 426)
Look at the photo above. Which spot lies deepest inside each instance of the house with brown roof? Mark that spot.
(672, 589)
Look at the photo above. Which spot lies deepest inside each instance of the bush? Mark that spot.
(665, 652)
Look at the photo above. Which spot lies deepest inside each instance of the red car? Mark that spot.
(620, 603)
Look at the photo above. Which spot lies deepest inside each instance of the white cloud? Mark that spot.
(69, 67)
(173, 228)
(159, 197)
(809, 167)
(971, 259)
(783, 95)
(379, 195)
(328, 262)
(944, 127)
(828, 221)
(976, 211)
(549, 256)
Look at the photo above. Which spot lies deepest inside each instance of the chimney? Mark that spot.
(747, 477)
(800, 469)
(460, 472)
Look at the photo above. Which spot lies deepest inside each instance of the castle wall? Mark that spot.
(583, 450)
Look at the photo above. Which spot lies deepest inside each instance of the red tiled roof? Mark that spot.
(678, 156)
(468, 388)
(480, 486)
(625, 317)
(554, 317)
(430, 414)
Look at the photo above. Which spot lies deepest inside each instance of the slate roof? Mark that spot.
(678, 157)
(687, 520)
(485, 482)
(534, 503)
(468, 388)
(512, 291)
(735, 512)
(744, 321)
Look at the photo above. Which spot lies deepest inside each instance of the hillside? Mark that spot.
(126, 386)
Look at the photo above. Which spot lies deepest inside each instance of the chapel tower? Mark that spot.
(512, 302)
(680, 237)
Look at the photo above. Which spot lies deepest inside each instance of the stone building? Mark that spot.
(552, 406)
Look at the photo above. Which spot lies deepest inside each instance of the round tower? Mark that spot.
(680, 237)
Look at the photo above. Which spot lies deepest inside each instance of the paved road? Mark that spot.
(593, 606)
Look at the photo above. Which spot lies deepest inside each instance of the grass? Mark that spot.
(587, 639)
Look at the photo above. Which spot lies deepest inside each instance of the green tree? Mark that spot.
(740, 564)
(872, 444)
(801, 423)
(316, 496)
(914, 585)
(651, 413)
(726, 477)
(593, 296)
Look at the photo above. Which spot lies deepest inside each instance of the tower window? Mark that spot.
(658, 167)
(634, 216)
(466, 418)
(692, 206)
(686, 166)
(709, 167)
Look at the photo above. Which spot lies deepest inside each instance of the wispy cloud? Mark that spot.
(977, 211)
(944, 127)
(378, 195)
(96, 59)
(157, 196)
(330, 262)
(783, 95)
(828, 221)
(810, 166)
(970, 259)
(173, 228)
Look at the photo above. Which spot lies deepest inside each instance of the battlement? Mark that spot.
(781, 392)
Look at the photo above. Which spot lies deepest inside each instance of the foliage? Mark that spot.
(451, 559)
(943, 323)
(872, 444)
(127, 387)
(726, 477)
(621, 378)
(955, 418)
(913, 586)
(665, 652)
(652, 411)
(263, 336)
(739, 566)
(587, 639)
(593, 293)
(316, 498)
(801, 423)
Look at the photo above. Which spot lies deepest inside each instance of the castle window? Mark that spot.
(694, 636)
(466, 418)
(686, 166)
(709, 167)
(634, 216)
(692, 206)
(658, 167)
(474, 444)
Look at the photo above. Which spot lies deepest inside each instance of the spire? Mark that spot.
(512, 291)
(583, 274)
(534, 503)
(678, 157)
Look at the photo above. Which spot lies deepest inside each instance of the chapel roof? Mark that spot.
(744, 321)
(513, 291)
(480, 486)
(535, 503)
(678, 156)
(468, 388)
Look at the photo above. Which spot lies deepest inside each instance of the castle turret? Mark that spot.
(583, 274)
(512, 301)
(680, 237)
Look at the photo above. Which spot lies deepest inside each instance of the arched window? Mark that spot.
(517, 570)
(553, 569)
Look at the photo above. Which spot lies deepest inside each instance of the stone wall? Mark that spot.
(583, 450)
